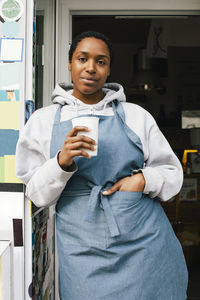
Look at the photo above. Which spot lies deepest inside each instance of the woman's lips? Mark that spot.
(88, 80)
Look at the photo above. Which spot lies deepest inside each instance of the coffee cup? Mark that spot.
(92, 123)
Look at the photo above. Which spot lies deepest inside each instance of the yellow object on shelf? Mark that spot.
(185, 153)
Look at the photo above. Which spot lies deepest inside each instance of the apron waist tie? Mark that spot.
(93, 206)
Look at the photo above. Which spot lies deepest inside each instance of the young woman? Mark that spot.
(114, 239)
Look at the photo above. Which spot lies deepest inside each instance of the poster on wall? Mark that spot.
(9, 122)
(11, 49)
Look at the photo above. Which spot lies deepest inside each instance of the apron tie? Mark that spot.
(96, 198)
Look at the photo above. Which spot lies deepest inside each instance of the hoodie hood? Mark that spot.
(62, 94)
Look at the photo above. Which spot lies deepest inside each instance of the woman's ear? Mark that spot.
(69, 66)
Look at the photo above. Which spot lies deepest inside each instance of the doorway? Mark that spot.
(170, 49)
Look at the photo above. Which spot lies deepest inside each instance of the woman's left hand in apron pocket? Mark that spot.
(135, 183)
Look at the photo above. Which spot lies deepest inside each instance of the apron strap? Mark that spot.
(118, 110)
(57, 115)
(94, 205)
(120, 114)
(112, 224)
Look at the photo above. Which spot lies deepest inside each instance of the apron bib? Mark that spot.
(113, 247)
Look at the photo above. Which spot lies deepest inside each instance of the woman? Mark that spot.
(114, 240)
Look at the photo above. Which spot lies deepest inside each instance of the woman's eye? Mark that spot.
(101, 62)
(82, 59)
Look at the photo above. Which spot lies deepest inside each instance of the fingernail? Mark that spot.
(105, 193)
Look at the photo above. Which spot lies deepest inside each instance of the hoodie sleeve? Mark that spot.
(162, 169)
(44, 178)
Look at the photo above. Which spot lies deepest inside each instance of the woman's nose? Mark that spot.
(91, 66)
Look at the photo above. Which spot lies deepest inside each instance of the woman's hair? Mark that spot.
(90, 34)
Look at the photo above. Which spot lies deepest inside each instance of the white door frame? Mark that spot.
(65, 9)
(47, 7)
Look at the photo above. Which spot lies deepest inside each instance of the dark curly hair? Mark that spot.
(89, 34)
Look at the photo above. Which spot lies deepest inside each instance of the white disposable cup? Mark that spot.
(92, 123)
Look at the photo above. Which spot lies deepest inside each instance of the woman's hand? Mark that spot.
(135, 183)
(72, 145)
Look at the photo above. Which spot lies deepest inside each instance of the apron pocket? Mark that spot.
(128, 209)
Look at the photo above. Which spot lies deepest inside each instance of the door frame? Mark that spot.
(47, 9)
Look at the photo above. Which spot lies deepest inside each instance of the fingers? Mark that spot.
(66, 156)
(81, 144)
(77, 142)
(76, 129)
(74, 145)
(80, 138)
(79, 153)
(112, 190)
(134, 183)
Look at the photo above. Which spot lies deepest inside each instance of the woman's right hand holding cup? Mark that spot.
(73, 146)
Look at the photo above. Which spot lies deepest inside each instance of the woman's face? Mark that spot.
(90, 67)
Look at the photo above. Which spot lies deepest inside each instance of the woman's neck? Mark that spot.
(89, 99)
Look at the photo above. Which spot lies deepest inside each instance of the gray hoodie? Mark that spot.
(44, 178)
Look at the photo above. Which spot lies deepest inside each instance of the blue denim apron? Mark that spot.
(113, 247)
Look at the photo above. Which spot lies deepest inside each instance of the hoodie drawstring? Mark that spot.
(104, 107)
